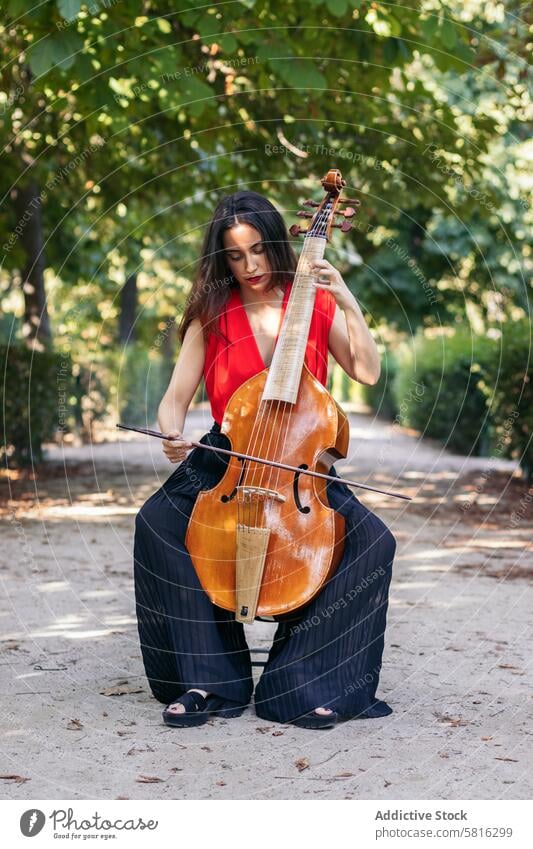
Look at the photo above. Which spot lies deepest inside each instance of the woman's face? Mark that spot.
(246, 257)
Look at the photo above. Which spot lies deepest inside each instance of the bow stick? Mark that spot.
(285, 466)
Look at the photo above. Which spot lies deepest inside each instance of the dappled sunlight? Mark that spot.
(83, 635)
(430, 554)
(52, 587)
(79, 511)
(24, 675)
(414, 585)
(87, 594)
(491, 542)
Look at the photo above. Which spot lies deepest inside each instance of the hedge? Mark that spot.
(35, 396)
(437, 389)
(45, 392)
(473, 393)
(380, 397)
(509, 394)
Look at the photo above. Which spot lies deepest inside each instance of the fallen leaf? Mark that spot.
(149, 779)
(264, 729)
(278, 733)
(74, 725)
(221, 783)
(121, 690)
(301, 764)
(455, 722)
(486, 738)
(19, 779)
(344, 775)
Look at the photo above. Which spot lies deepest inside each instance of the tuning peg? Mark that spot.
(355, 201)
(295, 230)
(344, 226)
(311, 203)
(303, 214)
(349, 212)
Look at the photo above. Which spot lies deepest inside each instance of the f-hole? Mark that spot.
(296, 494)
(226, 498)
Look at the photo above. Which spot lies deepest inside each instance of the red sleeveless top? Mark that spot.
(228, 365)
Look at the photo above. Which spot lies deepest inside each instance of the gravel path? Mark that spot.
(79, 721)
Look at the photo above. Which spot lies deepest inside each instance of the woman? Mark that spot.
(324, 663)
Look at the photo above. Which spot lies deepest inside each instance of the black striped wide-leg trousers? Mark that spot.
(328, 655)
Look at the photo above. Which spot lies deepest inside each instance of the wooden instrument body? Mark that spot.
(304, 548)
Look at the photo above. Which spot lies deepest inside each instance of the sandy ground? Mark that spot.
(78, 718)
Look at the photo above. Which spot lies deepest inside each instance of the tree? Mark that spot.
(129, 106)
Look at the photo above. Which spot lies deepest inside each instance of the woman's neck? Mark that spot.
(251, 298)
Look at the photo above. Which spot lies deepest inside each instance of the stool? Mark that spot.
(256, 649)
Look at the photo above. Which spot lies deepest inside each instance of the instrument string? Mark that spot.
(320, 221)
(282, 428)
(271, 422)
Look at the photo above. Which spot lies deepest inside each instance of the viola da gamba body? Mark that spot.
(306, 539)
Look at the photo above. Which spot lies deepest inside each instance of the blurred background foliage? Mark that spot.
(122, 123)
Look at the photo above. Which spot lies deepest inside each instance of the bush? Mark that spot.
(439, 389)
(380, 397)
(472, 393)
(35, 388)
(142, 378)
(509, 394)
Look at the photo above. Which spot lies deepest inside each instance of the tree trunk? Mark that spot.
(27, 204)
(128, 311)
(168, 347)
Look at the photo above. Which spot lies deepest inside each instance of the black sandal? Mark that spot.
(316, 720)
(198, 709)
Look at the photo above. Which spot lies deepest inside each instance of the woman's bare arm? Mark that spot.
(350, 340)
(353, 346)
(183, 384)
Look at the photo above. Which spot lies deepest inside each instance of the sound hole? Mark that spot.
(295, 482)
(226, 498)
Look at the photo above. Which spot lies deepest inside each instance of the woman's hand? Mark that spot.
(176, 449)
(330, 278)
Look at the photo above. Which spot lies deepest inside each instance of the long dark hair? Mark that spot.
(213, 281)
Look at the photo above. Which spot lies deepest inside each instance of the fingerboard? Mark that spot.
(285, 370)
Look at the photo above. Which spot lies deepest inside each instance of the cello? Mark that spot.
(264, 540)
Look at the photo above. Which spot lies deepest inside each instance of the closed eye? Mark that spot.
(257, 249)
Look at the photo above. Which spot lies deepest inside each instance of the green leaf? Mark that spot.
(390, 50)
(41, 57)
(70, 45)
(58, 50)
(271, 51)
(16, 8)
(189, 92)
(228, 43)
(69, 9)
(429, 26)
(337, 7)
(209, 25)
(447, 34)
(299, 73)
